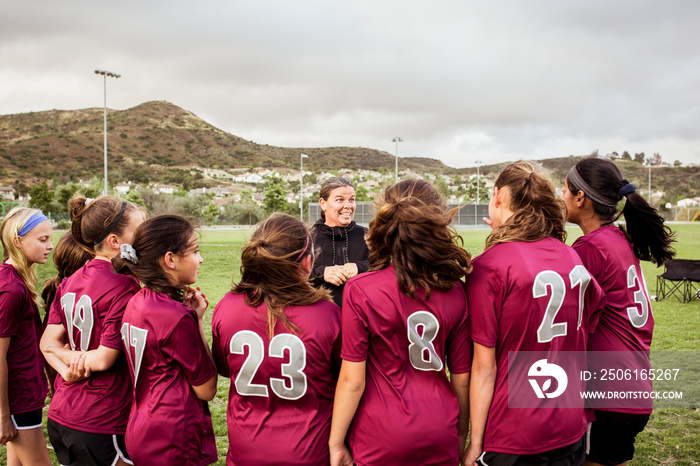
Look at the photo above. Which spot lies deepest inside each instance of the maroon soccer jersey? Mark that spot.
(90, 305)
(20, 321)
(531, 297)
(408, 411)
(627, 322)
(280, 400)
(168, 424)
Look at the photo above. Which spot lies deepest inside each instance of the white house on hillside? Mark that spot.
(689, 202)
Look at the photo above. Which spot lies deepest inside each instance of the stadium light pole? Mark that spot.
(476, 204)
(397, 140)
(105, 73)
(649, 160)
(301, 187)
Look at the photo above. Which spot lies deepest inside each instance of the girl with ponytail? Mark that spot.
(170, 363)
(592, 191)
(26, 240)
(529, 294)
(68, 256)
(277, 337)
(394, 401)
(90, 406)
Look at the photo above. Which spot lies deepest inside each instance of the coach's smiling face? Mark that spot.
(340, 207)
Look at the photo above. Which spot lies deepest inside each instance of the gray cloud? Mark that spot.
(457, 80)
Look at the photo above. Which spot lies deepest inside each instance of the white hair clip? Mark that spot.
(88, 201)
(129, 253)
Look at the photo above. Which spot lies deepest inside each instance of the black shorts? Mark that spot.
(571, 455)
(75, 447)
(612, 435)
(26, 421)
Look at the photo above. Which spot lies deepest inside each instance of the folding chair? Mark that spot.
(681, 279)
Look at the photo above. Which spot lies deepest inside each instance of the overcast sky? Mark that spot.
(458, 80)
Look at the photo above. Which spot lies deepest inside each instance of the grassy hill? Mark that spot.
(151, 142)
(160, 142)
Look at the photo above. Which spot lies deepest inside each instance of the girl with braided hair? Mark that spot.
(592, 191)
(401, 320)
(277, 338)
(529, 294)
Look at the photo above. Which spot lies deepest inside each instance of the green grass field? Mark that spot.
(672, 436)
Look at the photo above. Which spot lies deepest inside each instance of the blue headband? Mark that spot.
(33, 221)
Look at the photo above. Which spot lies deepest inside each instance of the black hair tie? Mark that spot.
(111, 225)
(626, 188)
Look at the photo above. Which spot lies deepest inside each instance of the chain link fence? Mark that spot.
(467, 215)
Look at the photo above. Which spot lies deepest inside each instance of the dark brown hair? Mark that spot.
(102, 215)
(329, 185)
(413, 232)
(271, 270)
(645, 229)
(152, 240)
(68, 256)
(537, 210)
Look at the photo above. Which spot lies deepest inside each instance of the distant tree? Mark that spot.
(361, 193)
(65, 193)
(275, 193)
(41, 197)
(190, 207)
(211, 213)
(626, 156)
(245, 212)
(470, 195)
(677, 163)
(134, 197)
(614, 156)
(656, 159)
(639, 157)
(21, 189)
(458, 180)
(441, 186)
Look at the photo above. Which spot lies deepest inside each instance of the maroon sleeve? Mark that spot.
(55, 310)
(459, 346)
(484, 300)
(111, 336)
(354, 328)
(593, 260)
(10, 303)
(185, 345)
(590, 256)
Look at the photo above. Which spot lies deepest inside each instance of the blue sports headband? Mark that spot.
(33, 221)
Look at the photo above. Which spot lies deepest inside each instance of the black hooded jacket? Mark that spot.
(349, 245)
